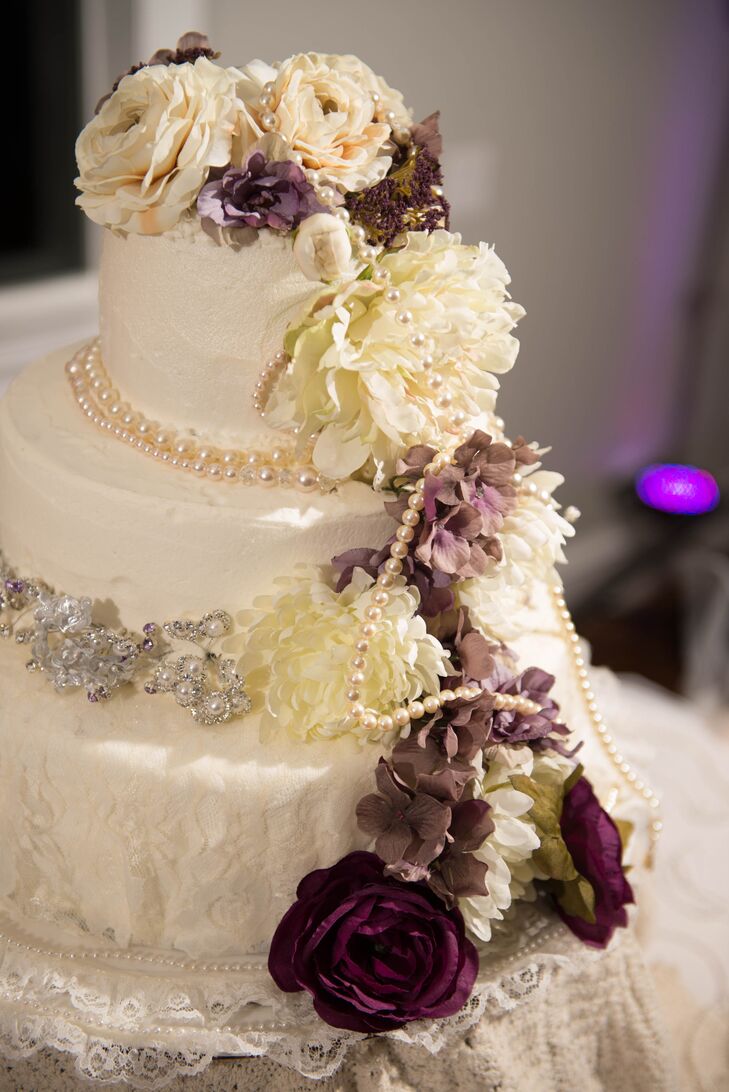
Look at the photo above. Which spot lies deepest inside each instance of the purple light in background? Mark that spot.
(678, 489)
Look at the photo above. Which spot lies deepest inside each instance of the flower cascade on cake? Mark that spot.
(390, 376)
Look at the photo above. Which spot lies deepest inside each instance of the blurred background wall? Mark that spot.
(587, 141)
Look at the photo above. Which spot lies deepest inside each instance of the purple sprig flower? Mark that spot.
(260, 194)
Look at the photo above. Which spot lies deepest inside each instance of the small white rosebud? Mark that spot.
(322, 247)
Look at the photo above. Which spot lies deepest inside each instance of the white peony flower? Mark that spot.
(322, 248)
(385, 363)
(301, 646)
(332, 110)
(144, 157)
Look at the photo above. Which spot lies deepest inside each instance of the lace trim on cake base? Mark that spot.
(125, 1017)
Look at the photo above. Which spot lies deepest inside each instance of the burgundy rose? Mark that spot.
(373, 952)
(261, 193)
(595, 847)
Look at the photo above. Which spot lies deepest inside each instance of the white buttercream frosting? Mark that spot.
(93, 517)
(187, 325)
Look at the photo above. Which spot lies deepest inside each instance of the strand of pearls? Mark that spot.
(610, 746)
(399, 719)
(102, 404)
(267, 380)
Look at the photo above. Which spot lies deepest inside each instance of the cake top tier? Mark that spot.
(280, 264)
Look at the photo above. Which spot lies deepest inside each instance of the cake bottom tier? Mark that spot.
(130, 822)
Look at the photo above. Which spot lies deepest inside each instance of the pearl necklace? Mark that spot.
(102, 404)
(369, 720)
(611, 748)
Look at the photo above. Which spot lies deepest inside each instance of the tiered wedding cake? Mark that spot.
(285, 598)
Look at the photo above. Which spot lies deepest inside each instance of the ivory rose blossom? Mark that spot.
(144, 157)
(332, 110)
(322, 248)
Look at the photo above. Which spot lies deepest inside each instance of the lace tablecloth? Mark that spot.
(594, 1028)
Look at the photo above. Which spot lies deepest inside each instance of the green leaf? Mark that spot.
(578, 899)
(573, 892)
(552, 857)
(366, 274)
(625, 830)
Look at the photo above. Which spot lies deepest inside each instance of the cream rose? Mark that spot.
(144, 157)
(333, 111)
(322, 248)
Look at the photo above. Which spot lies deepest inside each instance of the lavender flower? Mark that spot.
(261, 193)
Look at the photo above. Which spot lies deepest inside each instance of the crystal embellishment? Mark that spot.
(75, 652)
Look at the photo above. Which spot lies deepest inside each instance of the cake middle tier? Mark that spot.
(91, 516)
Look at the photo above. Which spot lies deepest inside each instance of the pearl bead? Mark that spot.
(417, 339)
(386, 580)
(357, 662)
(269, 87)
(368, 253)
(342, 214)
(405, 534)
(368, 630)
(358, 233)
(416, 710)
(392, 295)
(393, 565)
(399, 549)
(404, 317)
(265, 99)
(436, 381)
(306, 480)
(410, 517)
(427, 361)
(416, 501)
(447, 695)
(268, 120)
(431, 704)
(362, 645)
(214, 470)
(358, 710)
(369, 722)
(353, 695)
(327, 194)
(356, 678)
(267, 476)
(385, 723)
(374, 614)
(381, 598)
(401, 717)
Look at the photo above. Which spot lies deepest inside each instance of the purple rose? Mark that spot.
(594, 845)
(374, 952)
(261, 193)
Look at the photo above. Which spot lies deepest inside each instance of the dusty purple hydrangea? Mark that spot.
(541, 730)
(260, 194)
(436, 594)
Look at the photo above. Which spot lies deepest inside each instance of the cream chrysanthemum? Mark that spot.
(509, 849)
(144, 157)
(301, 646)
(379, 367)
(332, 110)
(532, 537)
